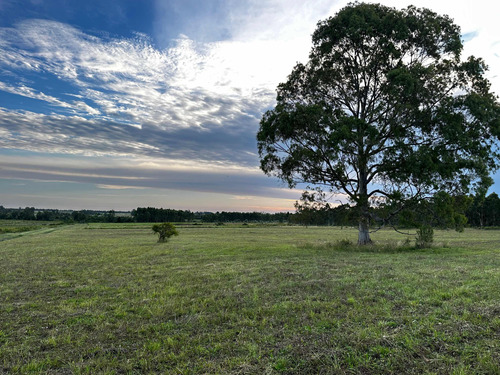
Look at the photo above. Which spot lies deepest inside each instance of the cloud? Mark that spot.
(76, 106)
(128, 79)
(195, 100)
(233, 144)
(118, 187)
(147, 173)
(467, 37)
(192, 100)
(204, 21)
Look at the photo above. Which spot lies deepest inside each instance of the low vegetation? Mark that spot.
(424, 237)
(248, 299)
(21, 226)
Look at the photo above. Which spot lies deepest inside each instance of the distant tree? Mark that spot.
(165, 231)
(385, 111)
(492, 210)
(442, 210)
(110, 217)
(156, 215)
(46, 215)
(223, 216)
(476, 211)
(27, 213)
(313, 210)
(79, 216)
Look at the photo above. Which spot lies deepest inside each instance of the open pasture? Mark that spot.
(107, 298)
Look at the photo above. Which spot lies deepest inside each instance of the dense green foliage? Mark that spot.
(27, 213)
(139, 215)
(165, 231)
(157, 215)
(484, 211)
(425, 237)
(234, 299)
(235, 217)
(385, 111)
(81, 216)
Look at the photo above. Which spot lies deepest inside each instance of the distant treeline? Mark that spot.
(139, 215)
(155, 215)
(476, 211)
(228, 217)
(82, 216)
(442, 210)
(484, 211)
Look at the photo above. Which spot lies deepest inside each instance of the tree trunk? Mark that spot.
(364, 232)
(364, 209)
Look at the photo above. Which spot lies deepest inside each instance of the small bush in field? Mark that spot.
(165, 231)
(425, 237)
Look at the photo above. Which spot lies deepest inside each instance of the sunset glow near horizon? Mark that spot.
(125, 104)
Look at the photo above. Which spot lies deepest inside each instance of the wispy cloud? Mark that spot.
(193, 100)
(76, 106)
(148, 173)
(233, 144)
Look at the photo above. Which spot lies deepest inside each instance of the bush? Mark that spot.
(344, 243)
(165, 231)
(425, 237)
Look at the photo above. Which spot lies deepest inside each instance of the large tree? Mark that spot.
(385, 109)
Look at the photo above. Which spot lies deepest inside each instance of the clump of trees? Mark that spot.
(442, 210)
(165, 231)
(156, 215)
(256, 217)
(485, 212)
(27, 213)
(68, 216)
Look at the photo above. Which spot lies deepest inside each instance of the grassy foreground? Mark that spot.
(99, 298)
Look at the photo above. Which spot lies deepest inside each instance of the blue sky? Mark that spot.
(119, 104)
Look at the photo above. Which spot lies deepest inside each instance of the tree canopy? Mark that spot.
(386, 110)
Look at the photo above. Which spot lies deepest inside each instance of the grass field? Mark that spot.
(106, 298)
(20, 226)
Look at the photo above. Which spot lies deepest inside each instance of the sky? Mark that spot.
(120, 104)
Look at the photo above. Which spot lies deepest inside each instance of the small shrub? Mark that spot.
(344, 244)
(404, 244)
(425, 237)
(165, 231)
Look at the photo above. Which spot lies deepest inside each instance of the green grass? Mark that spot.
(106, 298)
(16, 228)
